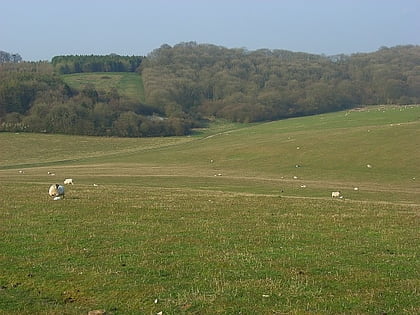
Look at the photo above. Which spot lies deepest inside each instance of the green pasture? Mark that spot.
(216, 223)
(128, 84)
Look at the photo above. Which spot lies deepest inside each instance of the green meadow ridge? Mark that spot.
(176, 89)
(216, 222)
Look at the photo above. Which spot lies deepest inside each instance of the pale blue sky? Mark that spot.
(41, 29)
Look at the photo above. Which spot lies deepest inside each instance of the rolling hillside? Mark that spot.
(325, 152)
(237, 218)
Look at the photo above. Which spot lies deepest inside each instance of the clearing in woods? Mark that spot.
(128, 84)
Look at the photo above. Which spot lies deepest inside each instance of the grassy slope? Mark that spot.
(334, 151)
(160, 225)
(128, 84)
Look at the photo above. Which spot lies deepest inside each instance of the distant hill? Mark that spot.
(246, 86)
(175, 89)
(34, 98)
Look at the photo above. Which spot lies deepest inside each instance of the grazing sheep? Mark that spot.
(56, 191)
(335, 194)
(68, 181)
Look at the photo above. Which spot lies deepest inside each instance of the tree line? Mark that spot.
(9, 57)
(34, 98)
(190, 83)
(236, 84)
(95, 63)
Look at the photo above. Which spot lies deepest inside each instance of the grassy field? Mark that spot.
(128, 84)
(216, 223)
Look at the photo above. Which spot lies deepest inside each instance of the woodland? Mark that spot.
(190, 84)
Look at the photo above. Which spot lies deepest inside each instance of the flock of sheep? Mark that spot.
(57, 191)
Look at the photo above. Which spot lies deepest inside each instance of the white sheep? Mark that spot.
(335, 194)
(56, 190)
(68, 181)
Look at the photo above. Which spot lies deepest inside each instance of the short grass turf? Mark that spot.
(216, 223)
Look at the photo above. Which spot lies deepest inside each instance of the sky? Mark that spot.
(42, 29)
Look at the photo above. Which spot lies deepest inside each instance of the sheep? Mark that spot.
(68, 181)
(335, 194)
(56, 190)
